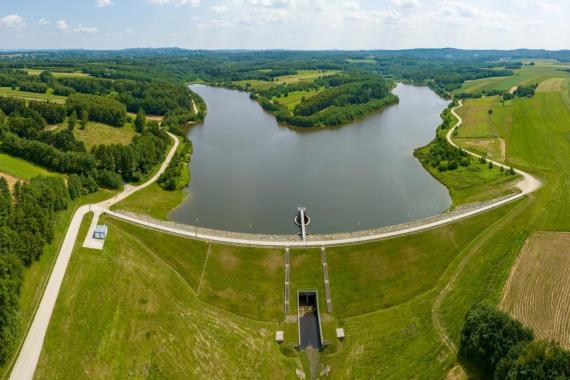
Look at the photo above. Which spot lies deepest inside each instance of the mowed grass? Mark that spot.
(21, 169)
(301, 76)
(37, 275)
(538, 290)
(477, 183)
(294, 98)
(7, 91)
(58, 74)
(526, 75)
(124, 313)
(478, 122)
(246, 281)
(386, 273)
(305, 76)
(306, 274)
(98, 133)
(152, 200)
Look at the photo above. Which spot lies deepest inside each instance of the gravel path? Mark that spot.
(29, 354)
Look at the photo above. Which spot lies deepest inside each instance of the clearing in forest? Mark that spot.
(538, 290)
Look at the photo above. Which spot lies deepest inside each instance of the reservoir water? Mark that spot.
(249, 173)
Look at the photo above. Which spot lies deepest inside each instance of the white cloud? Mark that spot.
(12, 21)
(406, 3)
(351, 5)
(85, 29)
(539, 5)
(177, 3)
(272, 3)
(455, 12)
(104, 3)
(61, 24)
(219, 9)
(43, 21)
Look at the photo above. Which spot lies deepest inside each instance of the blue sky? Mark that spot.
(288, 24)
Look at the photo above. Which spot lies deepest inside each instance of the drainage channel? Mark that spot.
(287, 270)
(310, 333)
(326, 277)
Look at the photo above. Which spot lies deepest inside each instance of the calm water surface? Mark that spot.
(249, 174)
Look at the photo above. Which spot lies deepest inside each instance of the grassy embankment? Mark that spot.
(476, 182)
(134, 316)
(36, 276)
(397, 299)
(155, 200)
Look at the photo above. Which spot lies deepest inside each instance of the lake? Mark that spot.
(249, 173)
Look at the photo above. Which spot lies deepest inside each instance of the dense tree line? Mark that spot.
(501, 347)
(26, 225)
(343, 99)
(98, 108)
(134, 161)
(176, 174)
(23, 135)
(443, 156)
(525, 91)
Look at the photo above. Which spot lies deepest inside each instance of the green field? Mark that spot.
(294, 98)
(7, 91)
(36, 276)
(19, 168)
(127, 313)
(523, 76)
(58, 74)
(301, 76)
(305, 76)
(97, 133)
(152, 200)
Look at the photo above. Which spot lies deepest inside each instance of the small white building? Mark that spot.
(340, 333)
(279, 336)
(100, 232)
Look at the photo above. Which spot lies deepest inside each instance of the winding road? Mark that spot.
(29, 354)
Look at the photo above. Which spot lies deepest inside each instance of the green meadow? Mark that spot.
(7, 91)
(157, 305)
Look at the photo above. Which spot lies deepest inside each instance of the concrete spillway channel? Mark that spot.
(326, 278)
(310, 332)
(287, 271)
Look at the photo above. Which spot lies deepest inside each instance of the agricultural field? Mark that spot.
(538, 290)
(58, 74)
(304, 76)
(526, 75)
(7, 91)
(301, 76)
(128, 290)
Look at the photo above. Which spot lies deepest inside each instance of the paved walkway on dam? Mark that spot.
(29, 353)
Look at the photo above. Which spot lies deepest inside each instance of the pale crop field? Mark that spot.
(538, 290)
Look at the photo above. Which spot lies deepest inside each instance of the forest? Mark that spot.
(500, 347)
